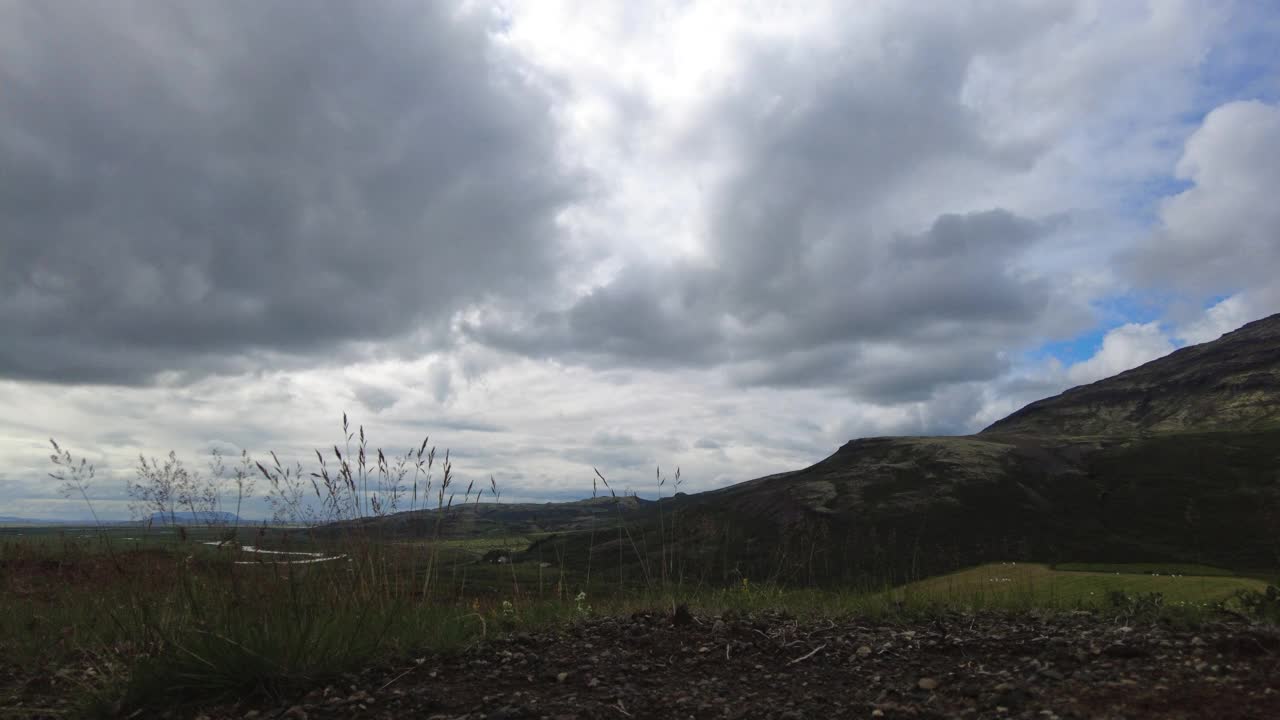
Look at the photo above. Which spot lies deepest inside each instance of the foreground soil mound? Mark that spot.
(772, 666)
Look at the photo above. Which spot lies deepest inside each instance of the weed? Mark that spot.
(1136, 605)
(1257, 604)
(200, 613)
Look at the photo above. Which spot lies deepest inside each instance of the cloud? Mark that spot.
(555, 235)
(853, 192)
(886, 319)
(1220, 234)
(219, 187)
(375, 398)
(440, 380)
(1125, 347)
(1221, 318)
(1216, 239)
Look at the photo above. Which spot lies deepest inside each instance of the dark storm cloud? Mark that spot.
(806, 282)
(376, 399)
(186, 185)
(651, 318)
(889, 322)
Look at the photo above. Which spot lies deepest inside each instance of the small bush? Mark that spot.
(1264, 605)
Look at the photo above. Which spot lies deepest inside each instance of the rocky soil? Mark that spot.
(772, 666)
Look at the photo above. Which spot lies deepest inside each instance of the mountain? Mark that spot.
(187, 517)
(1177, 460)
(496, 519)
(904, 506)
(14, 520)
(1230, 383)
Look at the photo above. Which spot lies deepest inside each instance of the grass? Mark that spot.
(164, 615)
(181, 621)
(1036, 585)
(1147, 569)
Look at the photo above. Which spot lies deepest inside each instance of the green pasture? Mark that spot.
(1037, 585)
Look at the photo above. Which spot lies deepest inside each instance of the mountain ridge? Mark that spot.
(1229, 383)
(1175, 460)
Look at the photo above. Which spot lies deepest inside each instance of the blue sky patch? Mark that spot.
(1112, 313)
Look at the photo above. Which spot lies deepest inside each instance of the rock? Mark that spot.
(294, 713)
(1015, 699)
(1125, 651)
(682, 617)
(927, 684)
(562, 677)
(864, 651)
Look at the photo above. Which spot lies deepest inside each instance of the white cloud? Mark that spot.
(1123, 348)
(1223, 233)
(1222, 318)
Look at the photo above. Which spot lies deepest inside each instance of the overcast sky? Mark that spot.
(716, 235)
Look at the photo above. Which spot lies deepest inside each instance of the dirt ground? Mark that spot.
(660, 665)
(664, 666)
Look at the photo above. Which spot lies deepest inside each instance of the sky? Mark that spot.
(723, 236)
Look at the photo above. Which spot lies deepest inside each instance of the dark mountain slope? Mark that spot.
(1176, 460)
(890, 508)
(1230, 383)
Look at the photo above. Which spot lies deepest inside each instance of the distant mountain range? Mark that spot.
(193, 518)
(494, 519)
(14, 520)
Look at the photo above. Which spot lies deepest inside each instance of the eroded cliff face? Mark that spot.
(1230, 383)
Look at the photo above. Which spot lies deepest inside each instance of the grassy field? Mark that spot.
(166, 613)
(1035, 585)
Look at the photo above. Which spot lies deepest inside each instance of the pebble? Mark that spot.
(1032, 680)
